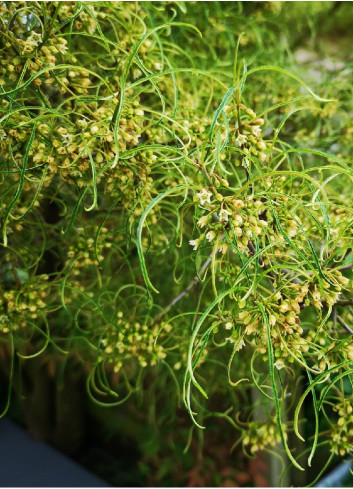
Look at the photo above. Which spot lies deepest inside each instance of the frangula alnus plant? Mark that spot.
(154, 224)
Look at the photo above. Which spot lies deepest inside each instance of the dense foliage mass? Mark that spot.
(177, 215)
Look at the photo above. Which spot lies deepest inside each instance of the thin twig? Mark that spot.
(294, 280)
(345, 302)
(194, 281)
(345, 325)
(334, 317)
(346, 267)
(15, 275)
(284, 271)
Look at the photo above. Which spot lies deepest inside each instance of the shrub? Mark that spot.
(164, 217)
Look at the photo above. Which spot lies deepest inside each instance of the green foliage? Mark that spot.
(154, 147)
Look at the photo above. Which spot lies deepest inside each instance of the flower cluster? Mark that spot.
(342, 432)
(283, 310)
(82, 144)
(131, 340)
(247, 134)
(261, 435)
(242, 219)
(86, 251)
(20, 308)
